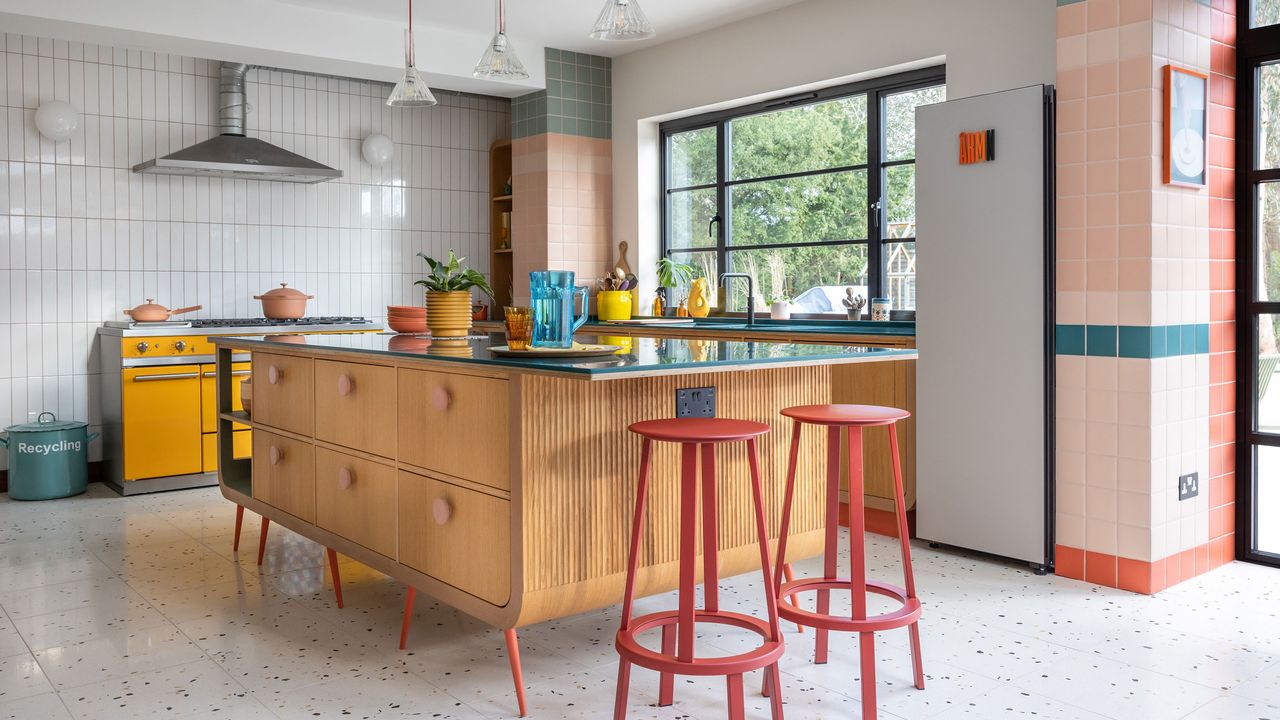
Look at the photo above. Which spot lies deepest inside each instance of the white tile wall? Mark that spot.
(82, 237)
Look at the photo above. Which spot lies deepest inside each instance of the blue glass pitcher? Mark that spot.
(554, 321)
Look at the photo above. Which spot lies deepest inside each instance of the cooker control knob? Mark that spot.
(180, 346)
(143, 347)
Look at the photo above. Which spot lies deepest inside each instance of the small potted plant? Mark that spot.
(780, 308)
(671, 274)
(449, 295)
(853, 304)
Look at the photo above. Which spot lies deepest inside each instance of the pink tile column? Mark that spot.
(1134, 253)
(562, 212)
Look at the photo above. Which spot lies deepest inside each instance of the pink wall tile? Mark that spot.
(1102, 14)
(1072, 19)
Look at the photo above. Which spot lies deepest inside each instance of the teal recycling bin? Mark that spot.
(48, 458)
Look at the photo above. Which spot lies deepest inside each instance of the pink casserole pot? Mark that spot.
(284, 303)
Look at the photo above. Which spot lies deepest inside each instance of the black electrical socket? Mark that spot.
(1188, 486)
(696, 402)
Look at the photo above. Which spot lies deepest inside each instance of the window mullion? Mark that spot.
(725, 227)
(875, 193)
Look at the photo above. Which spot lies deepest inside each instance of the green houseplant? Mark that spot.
(672, 274)
(448, 288)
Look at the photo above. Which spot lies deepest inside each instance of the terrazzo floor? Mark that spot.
(138, 608)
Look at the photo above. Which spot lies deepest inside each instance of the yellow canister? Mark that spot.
(613, 304)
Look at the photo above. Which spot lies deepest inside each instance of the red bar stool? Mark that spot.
(676, 656)
(852, 418)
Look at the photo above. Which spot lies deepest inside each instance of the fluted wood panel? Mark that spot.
(892, 384)
(580, 466)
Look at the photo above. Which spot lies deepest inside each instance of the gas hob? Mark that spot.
(246, 323)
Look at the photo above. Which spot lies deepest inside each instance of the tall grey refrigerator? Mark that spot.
(985, 325)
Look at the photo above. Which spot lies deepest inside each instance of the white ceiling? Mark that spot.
(363, 38)
(560, 24)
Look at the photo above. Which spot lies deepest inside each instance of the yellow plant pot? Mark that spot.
(613, 304)
(449, 313)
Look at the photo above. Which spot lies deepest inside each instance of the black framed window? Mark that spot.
(1258, 283)
(808, 194)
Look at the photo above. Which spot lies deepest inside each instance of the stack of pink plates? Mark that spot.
(407, 318)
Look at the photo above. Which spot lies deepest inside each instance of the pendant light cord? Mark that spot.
(502, 18)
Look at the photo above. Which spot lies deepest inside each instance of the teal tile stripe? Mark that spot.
(1132, 341)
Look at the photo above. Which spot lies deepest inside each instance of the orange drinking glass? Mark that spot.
(519, 327)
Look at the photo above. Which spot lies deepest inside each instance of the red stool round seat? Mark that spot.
(846, 415)
(699, 436)
(698, 430)
(850, 420)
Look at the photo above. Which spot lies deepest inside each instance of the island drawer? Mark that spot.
(455, 424)
(356, 498)
(283, 392)
(355, 406)
(458, 536)
(284, 474)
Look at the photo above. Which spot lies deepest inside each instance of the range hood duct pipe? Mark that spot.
(231, 105)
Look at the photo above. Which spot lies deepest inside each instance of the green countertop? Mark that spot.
(645, 356)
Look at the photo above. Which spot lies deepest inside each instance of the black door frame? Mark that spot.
(1255, 47)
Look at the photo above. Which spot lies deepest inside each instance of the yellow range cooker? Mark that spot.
(159, 419)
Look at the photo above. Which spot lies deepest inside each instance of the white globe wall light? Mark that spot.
(57, 120)
(378, 149)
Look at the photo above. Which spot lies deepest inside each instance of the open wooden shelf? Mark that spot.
(237, 416)
(501, 259)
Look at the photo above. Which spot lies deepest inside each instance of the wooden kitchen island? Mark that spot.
(505, 487)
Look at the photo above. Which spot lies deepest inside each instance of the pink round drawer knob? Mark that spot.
(346, 478)
(441, 398)
(274, 374)
(276, 455)
(346, 385)
(442, 511)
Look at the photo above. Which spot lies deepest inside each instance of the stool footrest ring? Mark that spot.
(632, 651)
(908, 614)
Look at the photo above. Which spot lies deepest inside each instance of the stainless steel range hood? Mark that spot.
(231, 154)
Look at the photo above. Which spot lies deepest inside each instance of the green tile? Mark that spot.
(569, 108)
(554, 71)
(570, 126)
(1134, 342)
(551, 54)
(555, 106)
(598, 77)
(598, 112)
(569, 72)
(599, 61)
(554, 124)
(1100, 340)
(1069, 339)
(555, 88)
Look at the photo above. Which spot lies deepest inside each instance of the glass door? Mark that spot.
(1258, 233)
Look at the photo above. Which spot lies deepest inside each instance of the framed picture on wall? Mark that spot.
(1186, 127)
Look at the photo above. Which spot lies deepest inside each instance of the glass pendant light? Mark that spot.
(499, 61)
(412, 90)
(622, 20)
